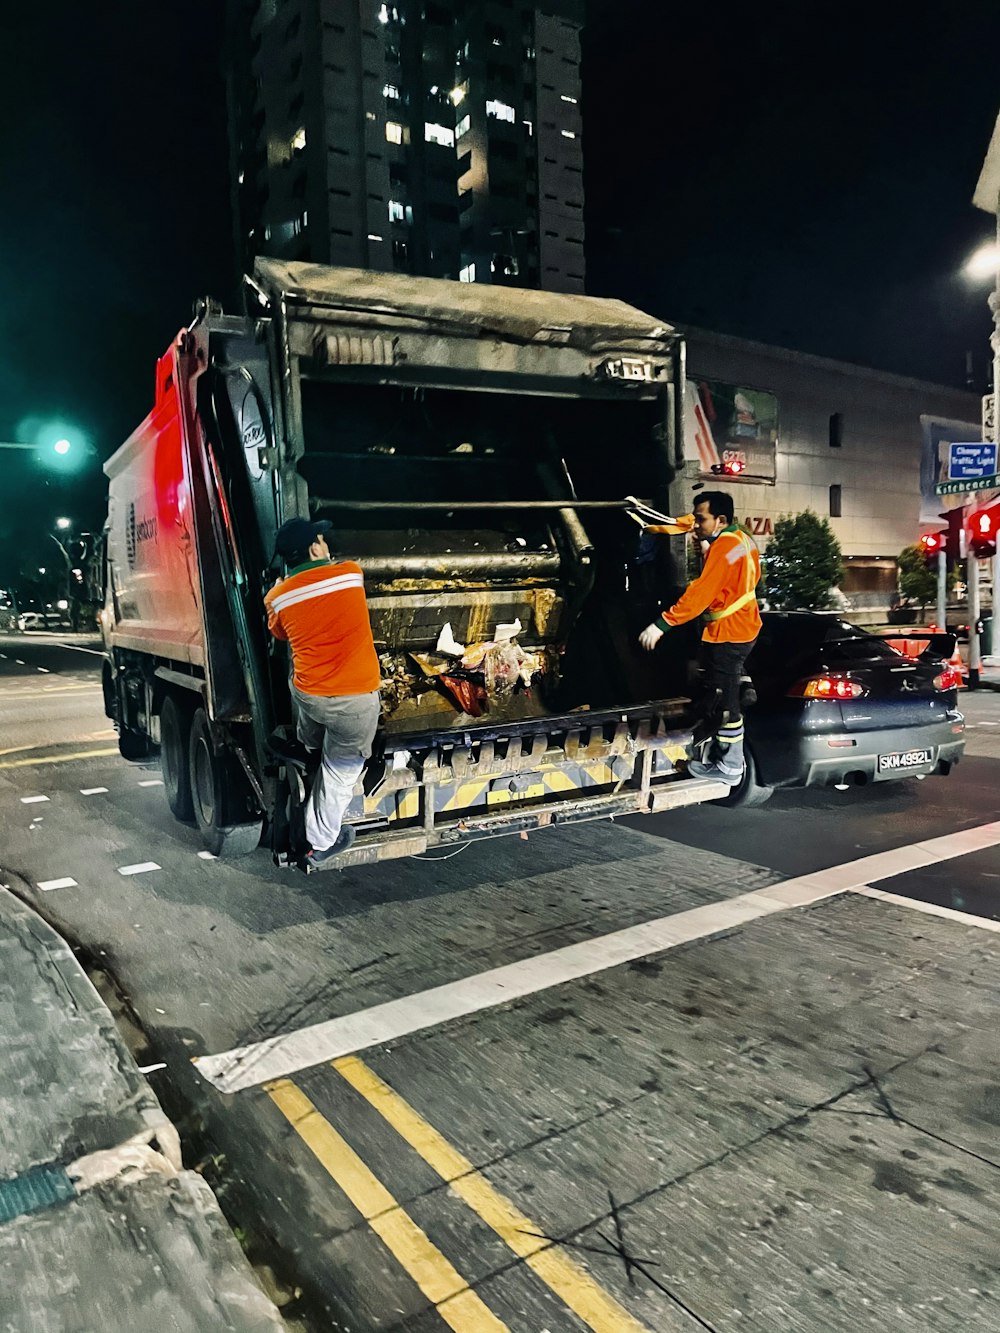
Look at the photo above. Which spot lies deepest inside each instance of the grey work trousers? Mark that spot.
(344, 726)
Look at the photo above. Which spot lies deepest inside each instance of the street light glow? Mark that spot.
(62, 446)
(985, 262)
(64, 523)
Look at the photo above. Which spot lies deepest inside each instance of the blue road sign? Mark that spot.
(972, 462)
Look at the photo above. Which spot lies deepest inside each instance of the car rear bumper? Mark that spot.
(828, 761)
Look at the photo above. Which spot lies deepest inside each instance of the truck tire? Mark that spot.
(175, 725)
(751, 792)
(217, 791)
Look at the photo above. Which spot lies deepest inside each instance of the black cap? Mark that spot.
(298, 534)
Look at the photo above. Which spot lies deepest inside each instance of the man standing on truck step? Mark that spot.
(319, 607)
(726, 592)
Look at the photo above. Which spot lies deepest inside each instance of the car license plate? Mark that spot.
(904, 759)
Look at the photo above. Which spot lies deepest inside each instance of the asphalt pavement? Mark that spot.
(667, 1045)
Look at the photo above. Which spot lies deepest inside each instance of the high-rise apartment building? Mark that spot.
(435, 138)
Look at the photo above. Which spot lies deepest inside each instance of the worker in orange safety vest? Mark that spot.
(726, 593)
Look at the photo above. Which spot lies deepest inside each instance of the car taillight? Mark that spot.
(948, 679)
(827, 687)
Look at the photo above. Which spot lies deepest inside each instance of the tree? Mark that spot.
(917, 582)
(802, 562)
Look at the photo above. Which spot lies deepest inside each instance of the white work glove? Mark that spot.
(650, 637)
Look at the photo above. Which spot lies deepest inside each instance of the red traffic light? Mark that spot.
(983, 526)
(932, 542)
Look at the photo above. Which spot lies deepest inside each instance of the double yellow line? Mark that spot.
(457, 1304)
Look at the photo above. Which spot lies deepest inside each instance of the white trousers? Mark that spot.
(344, 726)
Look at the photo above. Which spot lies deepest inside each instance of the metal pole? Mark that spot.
(972, 566)
(942, 590)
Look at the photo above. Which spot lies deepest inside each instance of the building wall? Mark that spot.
(877, 464)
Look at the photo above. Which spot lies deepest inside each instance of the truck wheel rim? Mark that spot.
(204, 783)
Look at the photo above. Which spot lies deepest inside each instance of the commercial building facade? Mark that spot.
(811, 433)
(441, 139)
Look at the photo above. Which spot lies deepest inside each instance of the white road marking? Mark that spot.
(32, 800)
(47, 885)
(75, 648)
(208, 856)
(151, 782)
(286, 1054)
(139, 869)
(92, 791)
(929, 909)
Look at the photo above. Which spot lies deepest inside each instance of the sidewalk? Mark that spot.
(100, 1225)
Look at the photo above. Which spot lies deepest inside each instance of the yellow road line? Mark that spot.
(46, 693)
(57, 758)
(24, 749)
(446, 1289)
(572, 1284)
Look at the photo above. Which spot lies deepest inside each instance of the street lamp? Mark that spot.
(985, 262)
(62, 446)
(64, 523)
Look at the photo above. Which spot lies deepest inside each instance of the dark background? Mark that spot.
(800, 174)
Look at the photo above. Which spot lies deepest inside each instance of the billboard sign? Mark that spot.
(938, 491)
(731, 428)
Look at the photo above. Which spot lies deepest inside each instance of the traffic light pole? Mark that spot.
(972, 577)
(942, 589)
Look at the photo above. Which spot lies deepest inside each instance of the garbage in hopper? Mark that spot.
(480, 674)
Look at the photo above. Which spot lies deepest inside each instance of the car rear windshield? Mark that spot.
(791, 644)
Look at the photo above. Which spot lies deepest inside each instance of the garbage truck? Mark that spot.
(473, 447)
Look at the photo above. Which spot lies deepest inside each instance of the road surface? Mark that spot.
(705, 1070)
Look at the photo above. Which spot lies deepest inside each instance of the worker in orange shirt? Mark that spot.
(320, 609)
(725, 592)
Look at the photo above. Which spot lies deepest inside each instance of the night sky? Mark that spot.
(800, 174)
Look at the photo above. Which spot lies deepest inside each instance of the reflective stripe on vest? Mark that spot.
(751, 583)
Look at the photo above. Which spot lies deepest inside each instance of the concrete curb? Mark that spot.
(105, 1229)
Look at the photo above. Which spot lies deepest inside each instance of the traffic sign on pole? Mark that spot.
(972, 461)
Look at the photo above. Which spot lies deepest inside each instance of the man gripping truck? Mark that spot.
(726, 592)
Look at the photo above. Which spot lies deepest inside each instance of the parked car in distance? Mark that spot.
(838, 707)
(29, 620)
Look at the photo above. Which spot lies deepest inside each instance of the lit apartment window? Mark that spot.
(467, 274)
(390, 92)
(563, 98)
(383, 14)
(267, 232)
(299, 139)
(439, 134)
(531, 128)
(458, 93)
(396, 211)
(567, 134)
(374, 236)
(241, 178)
(394, 131)
(463, 126)
(500, 110)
